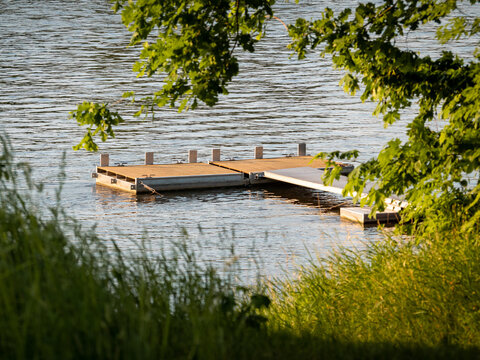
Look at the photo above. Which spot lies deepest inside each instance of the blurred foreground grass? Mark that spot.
(65, 294)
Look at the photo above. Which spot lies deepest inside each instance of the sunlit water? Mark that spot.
(55, 55)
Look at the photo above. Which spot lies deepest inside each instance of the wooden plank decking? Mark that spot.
(164, 170)
(261, 165)
(145, 178)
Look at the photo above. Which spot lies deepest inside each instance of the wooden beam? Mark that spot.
(302, 149)
(149, 158)
(192, 156)
(215, 154)
(258, 152)
(104, 159)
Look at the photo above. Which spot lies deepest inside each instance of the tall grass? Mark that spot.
(405, 293)
(65, 294)
(64, 297)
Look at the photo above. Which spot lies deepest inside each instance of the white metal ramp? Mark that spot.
(312, 178)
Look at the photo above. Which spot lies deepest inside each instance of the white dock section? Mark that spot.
(306, 177)
(362, 215)
(312, 178)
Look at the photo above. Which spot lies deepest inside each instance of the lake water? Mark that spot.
(54, 56)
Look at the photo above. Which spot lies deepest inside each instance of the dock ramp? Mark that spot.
(312, 178)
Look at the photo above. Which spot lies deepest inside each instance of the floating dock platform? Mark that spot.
(362, 215)
(193, 175)
(301, 170)
(143, 178)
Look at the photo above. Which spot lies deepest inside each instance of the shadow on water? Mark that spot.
(325, 202)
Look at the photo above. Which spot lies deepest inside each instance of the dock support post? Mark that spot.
(302, 149)
(192, 156)
(149, 158)
(258, 152)
(215, 154)
(104, 159)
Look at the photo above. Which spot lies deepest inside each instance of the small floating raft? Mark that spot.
(144, 178)
(362, 215)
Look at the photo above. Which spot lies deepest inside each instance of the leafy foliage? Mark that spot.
(434, 168)
(100, 121)
(193, 43)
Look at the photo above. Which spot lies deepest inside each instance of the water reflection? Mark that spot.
(272, 224)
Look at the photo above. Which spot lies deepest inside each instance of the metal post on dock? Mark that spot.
(302, 149)
(192, 156)
(258, 152)
(149, 158)
(215, 154)
(104, 159)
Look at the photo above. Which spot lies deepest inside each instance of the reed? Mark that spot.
(402, 292)
(66, 294)
(79, 299)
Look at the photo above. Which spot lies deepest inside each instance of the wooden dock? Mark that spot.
(143, 178)
(301, 170)
(193, 175)
(262, 165)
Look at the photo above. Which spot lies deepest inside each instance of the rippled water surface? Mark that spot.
(54, 55)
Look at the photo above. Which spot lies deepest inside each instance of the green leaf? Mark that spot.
(98, 119)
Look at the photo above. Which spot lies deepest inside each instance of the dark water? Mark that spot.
(55, 54)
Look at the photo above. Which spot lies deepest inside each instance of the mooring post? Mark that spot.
(104, 159)
(215, 154)
(302, 149)
(149, 158)
(192, 156)
(258, 152)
